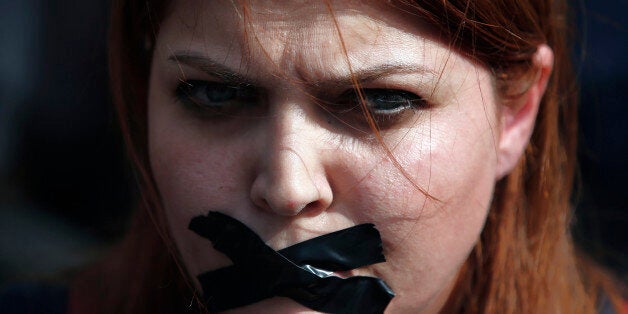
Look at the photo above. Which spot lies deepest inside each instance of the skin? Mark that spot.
(292, 168)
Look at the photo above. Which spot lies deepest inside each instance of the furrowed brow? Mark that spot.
(361, 76)
(369, 74)
(210, 67)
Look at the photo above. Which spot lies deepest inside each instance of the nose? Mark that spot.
(290, 178)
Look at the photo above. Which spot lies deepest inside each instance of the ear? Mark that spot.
(518, 117)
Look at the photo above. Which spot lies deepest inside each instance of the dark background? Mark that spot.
(66, 188)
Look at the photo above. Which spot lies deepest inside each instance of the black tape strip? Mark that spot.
(337, 251)
(301, 272)
(341, 250)
(345, 249)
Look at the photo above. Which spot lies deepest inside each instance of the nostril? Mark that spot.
(312, 209)
(262, 203)
(290, 207)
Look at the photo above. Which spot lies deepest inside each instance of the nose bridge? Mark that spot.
(291, 175)
(291, 126)
(294, 129)
(292, 146)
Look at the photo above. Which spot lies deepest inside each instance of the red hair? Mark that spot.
(524, 262)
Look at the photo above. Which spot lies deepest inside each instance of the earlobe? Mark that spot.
(518, 118)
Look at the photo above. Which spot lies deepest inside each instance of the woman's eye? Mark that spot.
(382, 101)
(216, 96)
(387, 106)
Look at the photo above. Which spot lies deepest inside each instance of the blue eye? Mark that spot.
(216, 96)
(388, 107)
(382, 101)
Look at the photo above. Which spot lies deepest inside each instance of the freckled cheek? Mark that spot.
(191, 180)
(385, 197)
(455, 172)
(192, 176)
(184, 162)
(426, 241)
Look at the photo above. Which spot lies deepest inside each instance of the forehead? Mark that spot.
(272, 42)
(290, 15)
(290, 30)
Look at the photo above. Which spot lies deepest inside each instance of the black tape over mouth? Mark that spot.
(302, 272)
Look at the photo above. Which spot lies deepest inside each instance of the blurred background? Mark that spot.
(66, 189)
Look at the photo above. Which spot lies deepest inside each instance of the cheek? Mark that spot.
(441, 195)
(191, 175)
(183, 179)
(190, 167)
(427, 239)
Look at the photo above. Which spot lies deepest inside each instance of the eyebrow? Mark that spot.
(230, 76)
(210, 67)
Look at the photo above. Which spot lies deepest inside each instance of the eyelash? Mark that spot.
(385, 105)
(223, 97)
(390, 101)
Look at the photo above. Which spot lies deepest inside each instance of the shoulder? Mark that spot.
(27, 298)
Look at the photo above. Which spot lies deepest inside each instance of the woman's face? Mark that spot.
(253, 113)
